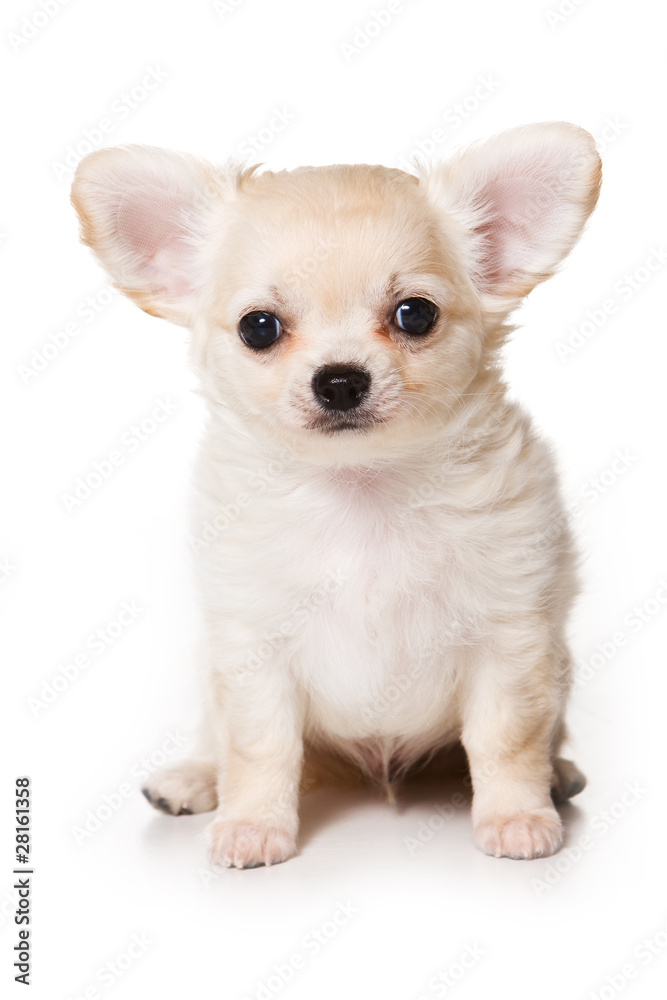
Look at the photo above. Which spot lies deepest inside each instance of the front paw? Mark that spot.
(247, 846)
(535, 834)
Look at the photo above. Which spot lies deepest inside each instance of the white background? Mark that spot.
(566, 928)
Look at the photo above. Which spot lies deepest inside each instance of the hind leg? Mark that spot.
(189, 785)
(566, 780)
(184, 788)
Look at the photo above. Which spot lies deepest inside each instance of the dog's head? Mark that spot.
(343, 310)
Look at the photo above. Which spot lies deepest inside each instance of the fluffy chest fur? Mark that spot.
(398, 609)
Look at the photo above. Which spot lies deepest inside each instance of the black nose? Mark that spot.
(340, 388)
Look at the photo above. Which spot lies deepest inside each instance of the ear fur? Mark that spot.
(148, 213)
(518, 203)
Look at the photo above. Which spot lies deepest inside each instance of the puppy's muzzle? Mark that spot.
(340, 387)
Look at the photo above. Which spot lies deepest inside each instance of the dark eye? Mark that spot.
(259, 329)
(416, 316)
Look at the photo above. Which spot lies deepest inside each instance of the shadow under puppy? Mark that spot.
(394, 569)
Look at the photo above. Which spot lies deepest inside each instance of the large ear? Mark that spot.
(518, 203)
(148, 214)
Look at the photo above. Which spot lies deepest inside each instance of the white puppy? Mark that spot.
(391, 570)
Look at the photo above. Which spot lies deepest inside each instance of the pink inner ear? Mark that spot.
(517, 228)
(150, 225)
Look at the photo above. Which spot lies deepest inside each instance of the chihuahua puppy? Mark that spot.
(385, 563)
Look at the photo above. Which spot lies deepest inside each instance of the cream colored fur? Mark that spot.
(394, 587)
